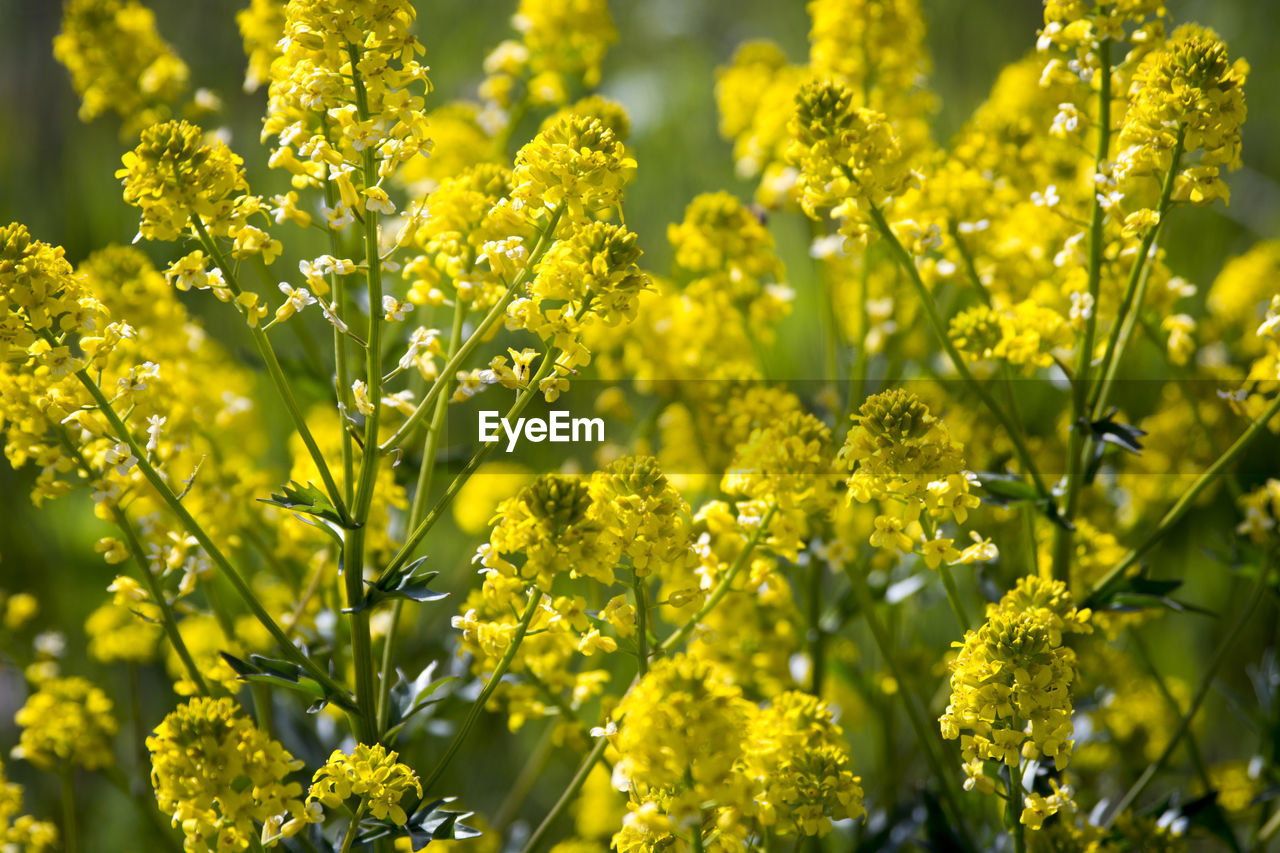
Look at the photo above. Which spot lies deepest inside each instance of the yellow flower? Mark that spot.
(216, 774)
(174, 174)
(370, 776)
(67, 719)
(118, 62)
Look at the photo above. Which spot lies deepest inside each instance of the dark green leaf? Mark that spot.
(401, 583)
(308, 500)
(291, 676)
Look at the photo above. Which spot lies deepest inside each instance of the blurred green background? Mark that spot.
(57, 173)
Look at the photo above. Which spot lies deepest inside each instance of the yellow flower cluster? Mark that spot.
(562, 43)
(22, 832)
(347, 84)
(589, 275)
(578, 162)
(1011, 688)
(848, 157)
(39, 296)
(554, 527)
(643, 509)
(1025, 335)
(873, 48)
(697, 757)
(901, 453)
(371, 776)
(725, 254)
(67, 720)
(175, 174)
(1187, 100)
(797, 756)
(261, 26)
(216, 773)
(119, 63)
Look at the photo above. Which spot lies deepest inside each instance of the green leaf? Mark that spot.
(410, 697)
(1142, 593)
(309, 500)
(403, 584)
(291, 676)
(427, 823)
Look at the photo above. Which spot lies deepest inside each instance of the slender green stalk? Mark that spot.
(926, 735)
(970, 267)
(1256, 596)
(419, 533)
(268, 354)
(504, 663)
(499, 309)
(353, 540)
(353, 829)
(1012, 815)
(1175, 512)
(134, 546)
(1084, 355)
(642, 625)
(957, 360)
(70, 833)
(197, 532)
(1135, 290)
(566, 797)
(417, 508)
(723, 587)
(817, 637)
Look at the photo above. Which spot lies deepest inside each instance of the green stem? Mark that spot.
(134, 546)
(545, 239)
(426, 469)
(642, 625)
(504, 663)
(70, 834)
(957, 360)
(817, 637)
(723, 587)
(353, 540)
(1184, 502)
(268, 355)
(1012, 813)
(566, 797)
(197, 532)
(1256, 595)
(1135, 290)
(1084, 356)
(353, 829)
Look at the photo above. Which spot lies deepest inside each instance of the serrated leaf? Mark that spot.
(410, 697)
(1120, 434)
(291, 676)
(427, 823)
(401, 583)
(308, 500)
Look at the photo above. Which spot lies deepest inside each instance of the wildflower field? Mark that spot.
(562, 426)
